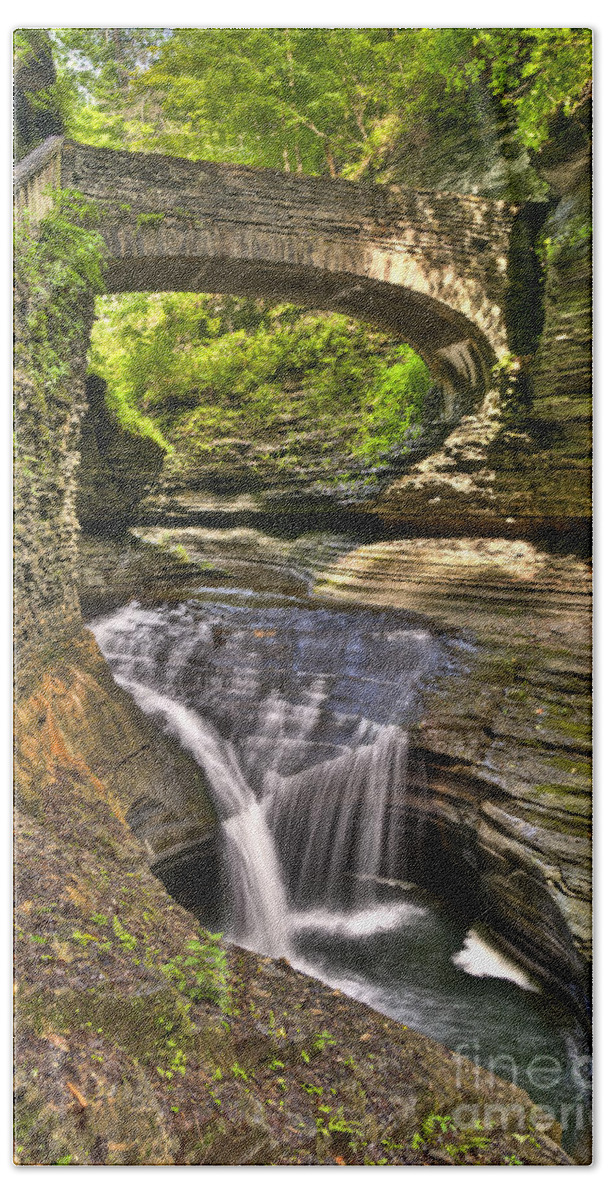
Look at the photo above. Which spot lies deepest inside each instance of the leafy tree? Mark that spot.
(36, 109)
(333, 101)
(96, 70)
(190, 369)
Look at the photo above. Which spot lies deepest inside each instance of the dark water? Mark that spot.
(399, 959)
(298, 715)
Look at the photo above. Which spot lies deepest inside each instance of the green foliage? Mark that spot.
(126, 939)
(189, 369)
(438, 1130)
(239, 1072)
(149, 220)
(333, 101)
(575, 234)
(536, 72)
(202, 973)
(432, 1124)
(58, 267)
(396, 409)
(62, 257)
(322, 1040)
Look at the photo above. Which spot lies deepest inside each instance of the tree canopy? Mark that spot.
(333, 101)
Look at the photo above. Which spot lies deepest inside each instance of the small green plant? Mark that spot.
(239, 1073)
(274, 1030)
(150, 220)
(526, 1137)
(126, 939)
(433, 1132)
(389, 1144)
(311, 1089)
(176, 1061)
(83, 939)
(465, 1146)
(201, 973)
(433, 1124)
(322, 1040)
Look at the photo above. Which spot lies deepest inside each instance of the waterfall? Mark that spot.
(298, 719)
(276, 708)
(260, 903)
(340, 814)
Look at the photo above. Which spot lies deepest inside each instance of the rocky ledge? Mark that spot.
(497, 475)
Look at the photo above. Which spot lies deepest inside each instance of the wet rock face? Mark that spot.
(117, 1066)
(504, 747)
(525, 456)
(502, 755)
(47, 419)
(498, 792)
(116, 468)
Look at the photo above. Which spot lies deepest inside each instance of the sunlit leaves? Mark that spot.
(321, 101)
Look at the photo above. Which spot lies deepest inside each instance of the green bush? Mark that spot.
(396, 408)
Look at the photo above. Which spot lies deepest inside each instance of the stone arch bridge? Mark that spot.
(440, 270)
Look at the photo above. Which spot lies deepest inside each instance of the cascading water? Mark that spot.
(298, 717)
(342, 812)
(260, 905)
(277, 718)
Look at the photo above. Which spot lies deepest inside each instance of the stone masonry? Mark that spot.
(431, 267)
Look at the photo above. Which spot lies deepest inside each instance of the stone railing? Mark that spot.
(35, 177)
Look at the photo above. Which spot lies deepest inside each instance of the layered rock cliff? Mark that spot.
(123, 1055)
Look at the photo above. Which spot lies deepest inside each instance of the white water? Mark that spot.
(360, 923)
(342, 810)
(297, 720)
(299, 780)
(478, 958)
(299, 773)
(258, 893)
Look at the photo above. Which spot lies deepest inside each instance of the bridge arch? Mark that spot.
(430, 267)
